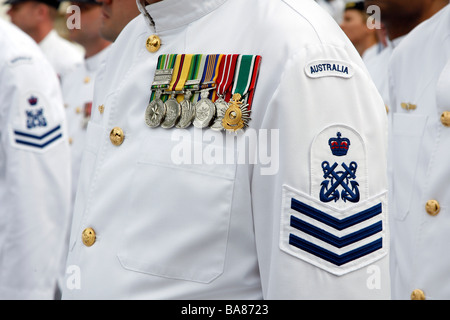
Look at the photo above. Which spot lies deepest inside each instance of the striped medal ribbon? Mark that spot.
(237, 115)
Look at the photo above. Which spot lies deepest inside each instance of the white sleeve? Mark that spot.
(35, 180)
(323, 234)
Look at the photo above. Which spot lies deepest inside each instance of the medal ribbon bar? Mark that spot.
(210, 71)
(226, 75)
(180, 74)
(254, 79)
(163, 73)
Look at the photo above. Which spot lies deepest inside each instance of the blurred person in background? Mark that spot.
(399, 17)
(37, 18)
(78, 86)
(419, 81)
(354, 24)
(334, 7)
(116, 15)
(34, 170)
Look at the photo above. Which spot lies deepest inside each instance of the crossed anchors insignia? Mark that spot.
(339, 147)
(36, 118)
(339, 178)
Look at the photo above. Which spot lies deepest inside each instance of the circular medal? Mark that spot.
(187, 112)
(173, 112)
(221, 108)
(155, 113)
(237, 116)
(205, 111)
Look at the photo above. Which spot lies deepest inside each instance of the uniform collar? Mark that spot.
(172, 14)
(49, 38)
(93, 62)
(394, 43)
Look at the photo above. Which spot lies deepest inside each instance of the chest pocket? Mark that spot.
(408, 131)
(178, 223)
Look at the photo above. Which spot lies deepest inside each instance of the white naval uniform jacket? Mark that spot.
(182, 214)
(63, 55)
(34, 170)
(78, 93)
(419, 82)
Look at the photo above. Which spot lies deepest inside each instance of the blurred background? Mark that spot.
(60, 23)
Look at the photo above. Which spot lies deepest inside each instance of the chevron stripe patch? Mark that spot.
(24, 139)
(336, 240)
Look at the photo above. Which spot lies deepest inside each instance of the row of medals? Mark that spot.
(219, 115)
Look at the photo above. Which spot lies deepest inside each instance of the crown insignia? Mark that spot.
(339, 146)
(32, 100)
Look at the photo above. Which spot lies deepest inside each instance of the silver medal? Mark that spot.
(187, 112)
(155, 112)
(221, 108)
(205, 111)
(173, 112)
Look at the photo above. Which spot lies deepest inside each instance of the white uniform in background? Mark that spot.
(372, 53)
(419, 89)
(378, 68)
(34, 170)
(63, 55)
(334, 7)
(298, 213)
(78, 93)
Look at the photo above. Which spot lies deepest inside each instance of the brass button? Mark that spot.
(153, 43)
(70, 140)
(77, 110)
(387, 108)
(101, 108)
(116, 136)
(432, 207)
(417, 295)
(445, 118)
(408, 106)
(87, 79)
(88, 237)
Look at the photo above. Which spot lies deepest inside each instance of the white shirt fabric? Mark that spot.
(378, 67)
(420, 76)
(334, 7)
(34, 170)
(372, 52)
(63, 55)
(188, 213)
(78, 93)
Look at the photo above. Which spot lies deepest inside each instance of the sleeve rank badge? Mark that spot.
(337, 227)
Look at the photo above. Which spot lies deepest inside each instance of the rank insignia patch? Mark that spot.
(338, 166)
(336, 240)
(336, 227)
(33, 129)
(344, 179)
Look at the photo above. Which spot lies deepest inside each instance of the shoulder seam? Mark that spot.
(307, 20)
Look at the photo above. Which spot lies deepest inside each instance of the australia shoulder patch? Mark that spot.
(337, 227)
(329, 68)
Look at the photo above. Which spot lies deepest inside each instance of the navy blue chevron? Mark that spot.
(35, 140)
(333, 257)
(332, 221)
(332, 239)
